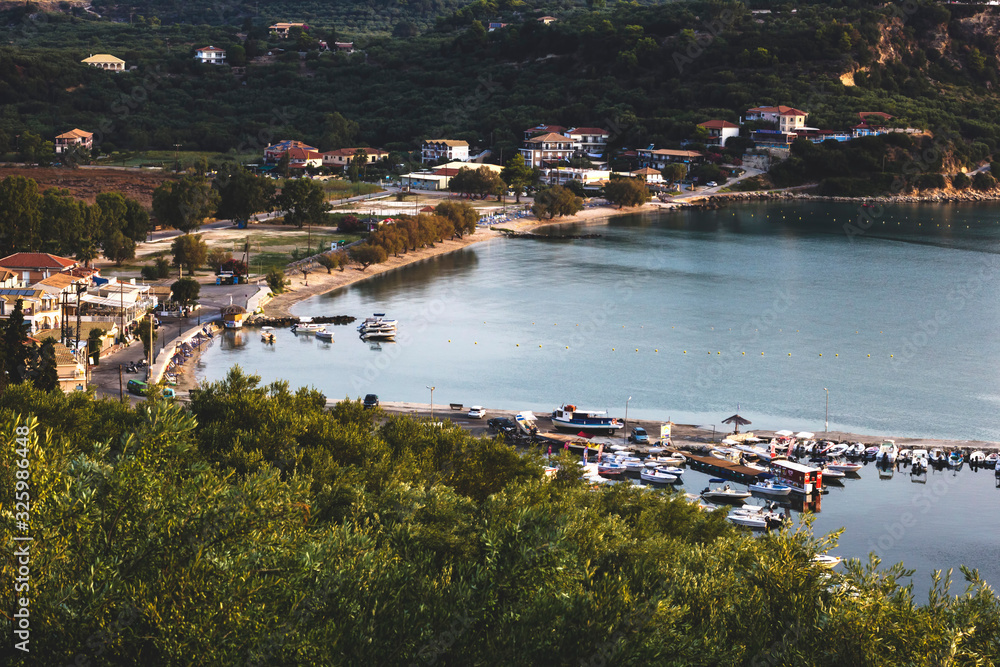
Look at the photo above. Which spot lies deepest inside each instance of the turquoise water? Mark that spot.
(676, 310)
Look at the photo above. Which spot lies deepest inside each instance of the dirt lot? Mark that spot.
(87, 183)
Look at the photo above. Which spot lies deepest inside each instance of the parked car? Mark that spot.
(140, 388)
(639, 436)
(501, 425)
(712, 184)
(371, 401)
(476, 412)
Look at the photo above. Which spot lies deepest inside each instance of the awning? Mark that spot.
(805, 435)
(110, 302)
(784, 434)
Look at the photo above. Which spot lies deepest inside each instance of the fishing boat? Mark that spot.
(377, 327)
(887, 453)
(323, 334)
(725, 494)
(569, 418)
(654, 476)
(956, 459)
(769, 487)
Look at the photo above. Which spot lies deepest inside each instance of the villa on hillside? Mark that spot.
(282, 29)
(592, 140)
(105, 61)
(549, 149)
(787, 119)
(433, 150)
(211, 55)
(719, 131)
(300, 158)
(75, 137)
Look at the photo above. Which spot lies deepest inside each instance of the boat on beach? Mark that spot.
(569, 418)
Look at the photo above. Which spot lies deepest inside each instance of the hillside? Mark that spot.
(648, 73)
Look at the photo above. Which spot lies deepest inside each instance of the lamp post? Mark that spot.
(625, 436)
(432, 402)
(827, 427)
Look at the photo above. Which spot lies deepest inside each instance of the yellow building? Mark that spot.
(105, 61)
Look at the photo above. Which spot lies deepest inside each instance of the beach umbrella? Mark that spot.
(736, 421)
(784, 434)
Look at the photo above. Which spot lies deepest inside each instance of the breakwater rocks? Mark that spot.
(263, 321)
(930, 198)
(546, 237)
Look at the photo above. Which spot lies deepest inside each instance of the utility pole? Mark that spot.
(79, 289)
(121, 392)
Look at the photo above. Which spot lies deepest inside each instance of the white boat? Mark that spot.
(955, 460)
(830, 473)
(977, 458)
(267, 334)
(918, 462)
(569, 418)
(905, 455)
(887, 453)
(632, 464)
(870, 452)
(306, 325)
(991, 459)
(769, 487)
(752, 521)
(824, 560)
(855, 450)
(757, 518)
(725, 494)
(836, 450)
(675, 459)
(670, 470)
(656, 477)
(377, 327)
(610, 469)
(849, 468)
(323, 334)
(937, 456)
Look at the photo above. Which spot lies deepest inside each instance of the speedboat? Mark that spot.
(824, 560)
(955, 459)
(570, 418)
(836, 450)
(769, 487)
(757, 518)
(831, 473)
(323, 334)
(887, 453)
(377, 327)
(655, 476)
(870, 453)
(849, 468)
(855, 450)
(725, 494)
(670, 470)
(610, 469)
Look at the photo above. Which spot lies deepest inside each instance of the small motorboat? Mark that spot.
(670, 470)
(991, 460)
(855, 451)
(756, 518)
(848, 468)
(611, 469)
(654, 476)
(674, 459)
(956, 459)
(633, 465)
(937, 457)
(830, 473)
(267, 334)
(823, 560)
(725, 494)
(769, 487)
(325, 335)
(919, 462)
(887, 453)
(870, 453)
(306, 325)
(836, 450)
(977, 458)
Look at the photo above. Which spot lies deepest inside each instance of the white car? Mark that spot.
(476, 412)
(712, 184)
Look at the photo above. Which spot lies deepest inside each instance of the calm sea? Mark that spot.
(761, 307)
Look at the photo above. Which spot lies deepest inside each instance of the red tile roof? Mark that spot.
(717, 124)
(780, 110)
(543, 129)
(587, 130)
(35, 260)
(208, 49)
(302, 154)
(551, 137)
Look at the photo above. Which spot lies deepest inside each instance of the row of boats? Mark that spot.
(376, 328)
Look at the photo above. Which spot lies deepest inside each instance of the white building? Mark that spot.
(788, 119)
(211, 55)
(592, 140)
(719, 131)
(447, 149)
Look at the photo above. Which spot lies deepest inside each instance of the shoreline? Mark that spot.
(684, 435)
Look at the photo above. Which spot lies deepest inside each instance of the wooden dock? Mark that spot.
(722, 468)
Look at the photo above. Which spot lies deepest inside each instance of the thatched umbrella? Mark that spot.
(736, 421)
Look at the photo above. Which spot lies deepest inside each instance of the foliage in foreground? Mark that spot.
(260, 527)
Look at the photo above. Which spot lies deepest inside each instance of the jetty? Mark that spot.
(722, 468)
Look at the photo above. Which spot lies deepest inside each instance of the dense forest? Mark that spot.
(260, 526)
(648, 73)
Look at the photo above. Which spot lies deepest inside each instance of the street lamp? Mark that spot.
(827, 427)
(432, 402)
(625, 436)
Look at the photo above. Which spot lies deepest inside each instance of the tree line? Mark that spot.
(261, 526)
(57, 223)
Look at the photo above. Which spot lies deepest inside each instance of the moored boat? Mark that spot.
(977, 458)
(849, 468)
(725, 493)
(823, 560)
(377, 327)
(569, 418)
(306, 325)
(769, 487)
(956, 459)
(918, 462)
(655, 476)
(887, 453)
(323, 334)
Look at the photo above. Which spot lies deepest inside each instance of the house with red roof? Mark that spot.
(549, 150)
(211, 55)
(788, 119)
(75, 137)
(341, 157)
(274, 152)
(31, 267)
(300, 158)
(593, 140)
(719, 131)
(543, 129)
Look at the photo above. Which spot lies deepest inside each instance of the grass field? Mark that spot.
(167, 159)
